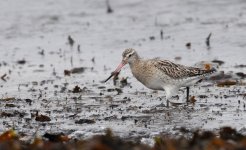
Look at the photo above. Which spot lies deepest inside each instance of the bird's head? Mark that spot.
(128, 56)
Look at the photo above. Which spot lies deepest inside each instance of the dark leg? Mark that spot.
(167, 103)
(187, 94)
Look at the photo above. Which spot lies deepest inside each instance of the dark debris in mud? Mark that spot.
(29, 101)
(67, 72)
(3, 77)
(202, 96)
(226, 79)
(220, 76)
(240, 66)
(21, 62)
(219, 62)
(5, 114)
(13, 114)
(109, 8)
(193, 100)
(58, 137)
(77, 70)
(77, 89)
(41, 52)
(241, 75)
(84, 121)
(70, 41)
(118, 90)
(208, 40)
(188, 45)
(42, 118)
(7, 99)
(226, 83)
(152, 38)
(177, 58)
(161, 34)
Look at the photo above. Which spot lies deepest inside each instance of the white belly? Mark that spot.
(155, 84)
(151, 82)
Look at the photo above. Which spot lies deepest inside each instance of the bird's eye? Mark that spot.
(130, 55)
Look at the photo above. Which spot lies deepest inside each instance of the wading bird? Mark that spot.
(160, 74)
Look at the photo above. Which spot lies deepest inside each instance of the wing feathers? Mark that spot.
(177, 71)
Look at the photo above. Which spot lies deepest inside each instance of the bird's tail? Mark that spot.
(200, 75)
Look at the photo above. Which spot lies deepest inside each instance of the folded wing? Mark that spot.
(177, 71)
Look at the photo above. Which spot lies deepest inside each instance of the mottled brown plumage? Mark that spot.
(177, 71)
(160, 74)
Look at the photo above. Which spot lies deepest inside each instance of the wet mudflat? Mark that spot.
(55, 55)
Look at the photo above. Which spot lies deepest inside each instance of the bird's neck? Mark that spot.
(135, 62)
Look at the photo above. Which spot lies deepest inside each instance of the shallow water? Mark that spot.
(38, 32)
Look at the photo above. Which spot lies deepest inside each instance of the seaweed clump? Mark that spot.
(227, 138)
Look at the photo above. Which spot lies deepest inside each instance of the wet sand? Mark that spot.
(43, 67)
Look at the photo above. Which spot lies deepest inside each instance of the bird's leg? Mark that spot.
(187, 94)
(167, 103)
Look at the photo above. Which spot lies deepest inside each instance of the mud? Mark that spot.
(54, 57)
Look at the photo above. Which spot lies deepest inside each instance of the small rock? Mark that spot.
(226, 83)
(77, 89)
(21, 62)
(70, 41)
(152, 38)
(4, 114)
(241, 75)
(188, 45)
(114, 117)
(220, 62)
(177, 58)
(42, 118)
(67, 72)
(29, 101)
(60, 137)
(202, 96)
(240, 66)
(10, 105)
(78, 70)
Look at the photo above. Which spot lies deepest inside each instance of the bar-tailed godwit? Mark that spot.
(160, 74)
